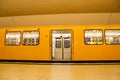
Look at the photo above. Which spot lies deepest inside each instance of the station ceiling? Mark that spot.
(40, 7)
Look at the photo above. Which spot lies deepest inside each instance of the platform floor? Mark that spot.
(57, 71)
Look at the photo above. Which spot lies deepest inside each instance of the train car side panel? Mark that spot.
(39, 52)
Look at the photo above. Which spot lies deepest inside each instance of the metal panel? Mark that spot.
(67, 48)
(61, 45)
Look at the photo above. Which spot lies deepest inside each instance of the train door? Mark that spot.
(61, 45)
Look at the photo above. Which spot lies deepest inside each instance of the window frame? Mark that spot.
(12, 32)
(105, 36)
(67, 45)
(94, 44)
(58, 42)
(31, 31)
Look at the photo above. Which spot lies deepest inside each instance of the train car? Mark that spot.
(60, 43)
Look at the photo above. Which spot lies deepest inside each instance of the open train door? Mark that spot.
(61, 45)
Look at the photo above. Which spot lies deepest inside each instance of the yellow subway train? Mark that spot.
(60, 43)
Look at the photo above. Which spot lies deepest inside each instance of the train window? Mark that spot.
(67, 42)
(93, 37)
(12, 38)
(30, 38)
(58, 42)
(112, 36)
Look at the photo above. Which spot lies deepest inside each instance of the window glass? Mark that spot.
(112, 36)
(31, 38)
(93, 37)
(67, 42)
(58, 42)
(12, 38)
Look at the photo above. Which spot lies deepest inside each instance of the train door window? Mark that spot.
(67, 42)
(112, 36)
(30, 38)
(93, 37)
(58, 42)
(12, 38)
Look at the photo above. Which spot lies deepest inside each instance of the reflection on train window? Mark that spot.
(12, 38)
(112, 36)
(93, 37)
(67, 42)
(58, 42)
(30, 38)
